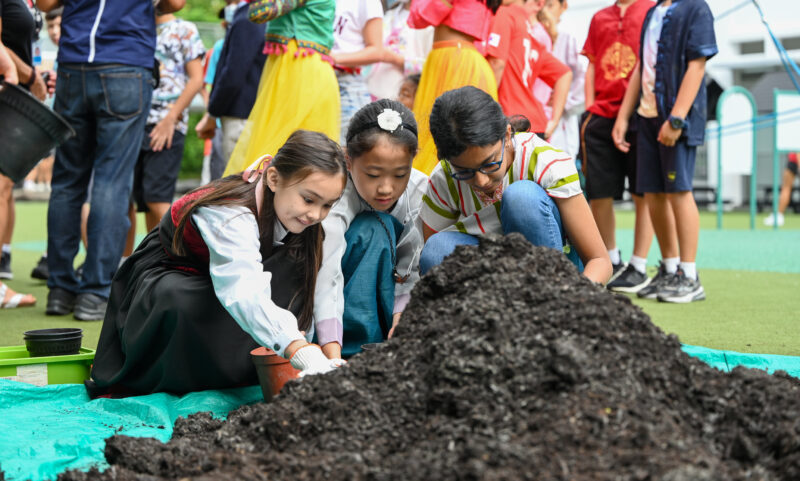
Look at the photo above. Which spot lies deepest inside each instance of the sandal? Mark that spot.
(16, 299)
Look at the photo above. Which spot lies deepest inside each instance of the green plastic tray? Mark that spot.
(16, 364)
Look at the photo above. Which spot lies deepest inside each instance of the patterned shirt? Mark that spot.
(178, 43)
(452, 205)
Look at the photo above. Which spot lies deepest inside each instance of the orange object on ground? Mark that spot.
(273, 371)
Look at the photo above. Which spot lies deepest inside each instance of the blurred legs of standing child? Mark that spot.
(612, 47)
(678, 38)
(180, 54)
(789, 174)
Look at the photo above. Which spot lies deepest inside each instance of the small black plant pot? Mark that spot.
(53, 342)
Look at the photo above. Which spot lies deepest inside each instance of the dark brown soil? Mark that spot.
(507, 365)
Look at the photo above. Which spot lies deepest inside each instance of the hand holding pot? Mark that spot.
(310, 360)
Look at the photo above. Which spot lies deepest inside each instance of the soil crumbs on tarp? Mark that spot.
(507, 365)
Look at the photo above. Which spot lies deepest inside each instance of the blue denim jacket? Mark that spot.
(686, 34)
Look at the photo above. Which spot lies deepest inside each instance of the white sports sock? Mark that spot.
(671, 264)
(639, 263)
(690, 269)
(6, 248)
(615, 256)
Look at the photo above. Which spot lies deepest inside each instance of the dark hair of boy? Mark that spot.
(303, 154)
(364, 131)
(54, 14)
(493, 5)
(467, 117)
(414, 78)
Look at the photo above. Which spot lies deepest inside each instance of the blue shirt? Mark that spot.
(211, 69)
(108, 31)
(686, 34)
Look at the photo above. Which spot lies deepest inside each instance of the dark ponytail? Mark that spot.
(303, 154)
(467, 117)
(364, 129)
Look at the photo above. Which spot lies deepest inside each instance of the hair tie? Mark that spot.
(256, 168)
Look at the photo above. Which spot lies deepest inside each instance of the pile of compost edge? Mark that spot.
(507, 365)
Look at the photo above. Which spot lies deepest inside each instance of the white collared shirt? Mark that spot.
(239, 279)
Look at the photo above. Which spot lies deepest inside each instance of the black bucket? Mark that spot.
(29, 130)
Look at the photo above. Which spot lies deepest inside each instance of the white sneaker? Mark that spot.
(769, 221)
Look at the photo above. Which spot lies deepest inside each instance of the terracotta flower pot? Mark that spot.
(273, 371)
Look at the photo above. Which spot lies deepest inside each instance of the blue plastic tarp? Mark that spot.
(48, 430)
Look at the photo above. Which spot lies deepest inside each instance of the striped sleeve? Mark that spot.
(554, 170)
(439, 209)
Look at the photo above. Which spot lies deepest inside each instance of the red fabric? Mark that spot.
(793, 157)
(191, 237)
(471, 17)
(511, 39)
(612, 45)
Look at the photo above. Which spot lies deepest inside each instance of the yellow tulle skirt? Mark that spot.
(296, 91)
(450, 65)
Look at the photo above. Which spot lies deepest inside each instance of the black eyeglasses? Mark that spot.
(465, 174)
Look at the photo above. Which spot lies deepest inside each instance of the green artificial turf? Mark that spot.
(752, 280)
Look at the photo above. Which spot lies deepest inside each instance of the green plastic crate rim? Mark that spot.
(17, 365)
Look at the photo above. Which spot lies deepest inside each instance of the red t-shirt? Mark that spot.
(612, 45)
(511, 39)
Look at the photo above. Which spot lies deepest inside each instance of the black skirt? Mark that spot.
(166, 331)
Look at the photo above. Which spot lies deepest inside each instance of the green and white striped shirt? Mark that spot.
(452, 205)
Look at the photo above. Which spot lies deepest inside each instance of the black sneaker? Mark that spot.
(630, 280)
(41, 271)
(90, 307)
(60, 302)
(5, 266)
(682, 290)
(651, 290)
(616, 270)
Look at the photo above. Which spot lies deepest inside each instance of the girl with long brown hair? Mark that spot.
(232, 266)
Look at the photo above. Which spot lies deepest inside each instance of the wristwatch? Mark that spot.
(677, 123)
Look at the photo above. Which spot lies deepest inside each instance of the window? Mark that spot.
(756, 46)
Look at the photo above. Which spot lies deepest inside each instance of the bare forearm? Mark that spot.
(47, 5)
(185, 99)
(368, 55)
(498, 67)
(24, 71)
(560, 93)
(588, 85)
(631, 94)
(170, 6)
(690, 85)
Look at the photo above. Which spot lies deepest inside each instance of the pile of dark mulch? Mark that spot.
(507, 365)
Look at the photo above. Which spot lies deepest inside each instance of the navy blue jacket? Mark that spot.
(239, 68)
(108, 31)
(686, 34)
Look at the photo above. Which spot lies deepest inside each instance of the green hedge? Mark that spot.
(192, 163)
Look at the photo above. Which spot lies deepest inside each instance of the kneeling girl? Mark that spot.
(491, 179)
(373, 237)
(231, 266)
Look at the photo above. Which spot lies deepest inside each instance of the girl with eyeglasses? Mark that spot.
(492, 179)
(373, 237)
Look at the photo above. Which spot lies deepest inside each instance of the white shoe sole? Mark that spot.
(685, 299)
(633, 289)
(6, 275)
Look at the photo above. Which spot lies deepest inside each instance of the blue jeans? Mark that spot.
(107, 105)
(526, 209)
(354, 95)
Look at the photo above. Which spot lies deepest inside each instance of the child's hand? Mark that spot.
(395, 322)
(206, 128)
(667, 135)
(618, 135)
(549, 129)
(161, 135)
